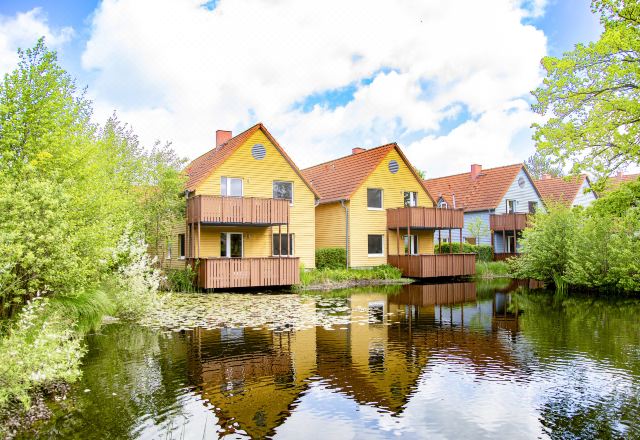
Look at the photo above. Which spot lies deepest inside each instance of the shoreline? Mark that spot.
(330, 285)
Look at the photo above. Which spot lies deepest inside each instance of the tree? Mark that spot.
(539, 165)
(477, 228)
(593, 96)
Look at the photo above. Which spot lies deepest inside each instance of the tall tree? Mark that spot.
(539, 165)
(593, 96)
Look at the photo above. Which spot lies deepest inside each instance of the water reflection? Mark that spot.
(446, 360)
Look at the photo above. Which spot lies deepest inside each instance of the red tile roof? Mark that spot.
(339, 179)
(559, 190)
(202, 167)
(484, 192)
(620, 178)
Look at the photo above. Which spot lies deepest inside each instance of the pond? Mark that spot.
(458, 360)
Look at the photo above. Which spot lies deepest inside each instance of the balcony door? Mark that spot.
(231, 186)
(231, 245)
(510, 245)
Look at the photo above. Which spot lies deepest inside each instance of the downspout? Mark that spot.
(346, 226)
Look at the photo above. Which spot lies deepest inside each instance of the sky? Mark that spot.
(448, 80)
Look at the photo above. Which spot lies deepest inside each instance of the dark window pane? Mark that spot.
(181, 244)
(532, 207)
(285, 244)
(236, 245)
(283, 190)
(223, 244)
(374, 198)
(375, 244)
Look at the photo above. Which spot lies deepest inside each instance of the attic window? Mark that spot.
(521, 182)
(258, 151)
(393, 166)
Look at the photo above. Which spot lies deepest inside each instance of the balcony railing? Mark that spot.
(221, 273)
(237, 210)
(433, 266)
(425, 218)
(508, 222)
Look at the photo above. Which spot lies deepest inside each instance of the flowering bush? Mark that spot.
(137, 279)
(41, 347)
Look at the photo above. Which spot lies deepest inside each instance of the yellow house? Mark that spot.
(374, 205)
(250, 217)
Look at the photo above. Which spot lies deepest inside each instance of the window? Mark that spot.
(533, 206)
(181, 246)
(231, 186)
(411, 245)
(280, 242)
(283, 190)
(442, 203)
(231, 244)
(410, 198)
(168, 255)
(521, 182)
(374, 198)
(511, 206)
(375, 246)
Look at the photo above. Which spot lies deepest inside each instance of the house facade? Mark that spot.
(374, 205)
(496, 203)
(569, 192)
(250, 217)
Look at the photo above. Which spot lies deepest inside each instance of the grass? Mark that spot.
(336, 276)
(492, 269)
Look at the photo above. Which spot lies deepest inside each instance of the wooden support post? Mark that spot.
(408, 251)
(450, 243)
(515, 243)
(280, 241)
(460, 240)
(398, 234)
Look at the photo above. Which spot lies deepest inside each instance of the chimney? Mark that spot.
(222, 136)
(546, 176)
(475, 170)
(358, 150)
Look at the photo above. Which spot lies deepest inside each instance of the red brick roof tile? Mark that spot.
(559, 190)
(484, 192)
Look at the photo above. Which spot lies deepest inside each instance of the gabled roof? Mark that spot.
(339, 179)
(202, 167)
(621, 178)
(561, 190)
(483, 193)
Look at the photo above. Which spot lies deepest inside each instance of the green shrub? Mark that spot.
(325, 276)
(182, 280)
(483, 252)
(331, 258)
(492, 269)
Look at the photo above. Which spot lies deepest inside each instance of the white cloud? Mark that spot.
(178, 71)
(22, 31)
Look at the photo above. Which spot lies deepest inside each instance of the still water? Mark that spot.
(459, 360)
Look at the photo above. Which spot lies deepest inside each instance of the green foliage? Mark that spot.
(538, 165)
(593, 95)
(331, 258)
(492, 269)
(619, 200)
(483, 251)
(328, 276)
(181, 280)
(477, 228)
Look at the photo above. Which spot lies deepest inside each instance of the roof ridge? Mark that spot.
(481, 171)
(350, 155)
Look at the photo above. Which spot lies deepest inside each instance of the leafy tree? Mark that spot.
(477, 228)
(593, 96)
(538, 165)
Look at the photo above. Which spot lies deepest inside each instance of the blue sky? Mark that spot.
(440, 82)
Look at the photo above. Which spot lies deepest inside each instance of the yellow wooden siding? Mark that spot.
(365, 221)
(425, 242)
(258, 177)
(330, 226)
(175, 262)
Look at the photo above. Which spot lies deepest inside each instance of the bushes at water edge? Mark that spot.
(331, 258)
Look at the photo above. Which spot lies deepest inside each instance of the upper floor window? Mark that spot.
(410, 199)
(231, 186)
(283, 190)
(511, 206)
(442, 203)
(533, 206)
(374, 198)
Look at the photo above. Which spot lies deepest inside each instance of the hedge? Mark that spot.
(331, 258)
(483, 251)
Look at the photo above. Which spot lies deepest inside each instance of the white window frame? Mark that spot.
(412, 194)
(292, 189)
(292, 245)
(382, 247)
(381, 201)
(515, 206)
(229, 186)
(411, 244)
(184, 247)
(228, 249)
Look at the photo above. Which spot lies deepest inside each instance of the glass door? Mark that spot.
(231, 245)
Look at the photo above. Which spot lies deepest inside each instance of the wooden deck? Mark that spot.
(433, 266)
(221, 273)
(425, 218)
(435, 294)
(218, 210)
(508, 222)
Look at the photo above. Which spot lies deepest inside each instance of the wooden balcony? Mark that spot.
(425, 218)
(434, 266)
(425, 295)
(222, 273)
(508, 222)
(242, 211)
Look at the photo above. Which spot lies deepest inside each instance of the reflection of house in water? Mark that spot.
(255, 377)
